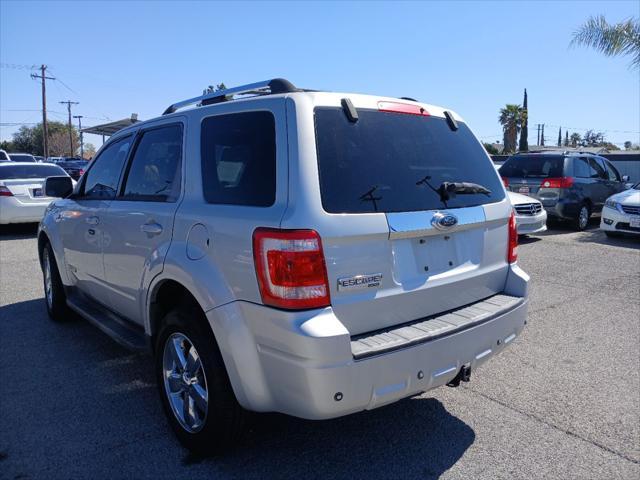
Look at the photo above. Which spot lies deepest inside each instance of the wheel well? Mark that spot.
(42, 241)
(165, 297)
(589, 204)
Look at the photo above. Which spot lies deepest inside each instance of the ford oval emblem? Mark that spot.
(443, 221)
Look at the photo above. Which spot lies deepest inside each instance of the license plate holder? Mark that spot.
(634, 221)
(524, 190)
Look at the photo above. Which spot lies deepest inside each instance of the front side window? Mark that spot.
(239, 159)
(101, 181)
(598, 170)
(612, 173)
(154, 172)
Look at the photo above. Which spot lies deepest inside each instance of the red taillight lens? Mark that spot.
(561, 182)
(290, 268)
(505, 181)
(5, 192)
(407, 108)
(512, 251)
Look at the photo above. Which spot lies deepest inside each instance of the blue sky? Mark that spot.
(473, 57)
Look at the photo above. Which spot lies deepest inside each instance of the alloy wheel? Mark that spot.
(185, 383)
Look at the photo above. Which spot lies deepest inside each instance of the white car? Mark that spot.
(621, 212)
(22, 197)
(530, 216)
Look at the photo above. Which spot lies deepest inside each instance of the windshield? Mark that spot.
(39, 170)
(537, 166)
(392, 162)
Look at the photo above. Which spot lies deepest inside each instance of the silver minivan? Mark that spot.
(278, 249)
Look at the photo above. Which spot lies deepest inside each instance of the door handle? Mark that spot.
(152, 228)
(92, 220)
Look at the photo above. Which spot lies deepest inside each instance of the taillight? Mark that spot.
(560, 182)
(505, 181)
(407, 108)
(512, 251)
(290, 268)
(5, 192)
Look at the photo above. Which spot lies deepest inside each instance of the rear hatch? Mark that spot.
(395, 250)
(527, 174)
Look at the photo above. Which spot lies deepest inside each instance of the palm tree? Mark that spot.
(611, 39)
(511, 117)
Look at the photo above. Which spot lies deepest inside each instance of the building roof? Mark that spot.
(108, 129)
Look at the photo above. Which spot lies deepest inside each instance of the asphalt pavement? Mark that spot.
(562, 402)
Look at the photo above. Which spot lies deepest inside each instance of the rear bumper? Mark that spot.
(302, 364)
(526, 224)
(13, 210)
(613, 220)
(563, 209)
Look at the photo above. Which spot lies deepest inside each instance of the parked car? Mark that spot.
(530, 216)
(571, 185)
(4, 157)
(309, 253)
(75, 168)
(22, 157)
(22, 198)
(621, 213)
(39, 158)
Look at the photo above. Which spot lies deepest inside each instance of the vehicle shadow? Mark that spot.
(18, 231)
(598, 236)
(564, 227)
(415, 437)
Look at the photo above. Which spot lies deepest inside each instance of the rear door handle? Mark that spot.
(151, 228)
(92, 220)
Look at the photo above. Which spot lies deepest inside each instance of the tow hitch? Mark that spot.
(464, 375)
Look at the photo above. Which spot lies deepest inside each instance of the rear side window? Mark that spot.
(393, 162)
(581, 168)
(533, 166)
(239, 159)
(154, 171)
(15, 172)
(101, 181)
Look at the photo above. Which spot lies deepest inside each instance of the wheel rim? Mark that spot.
(185, 383)
(48, 287)
(584, 217)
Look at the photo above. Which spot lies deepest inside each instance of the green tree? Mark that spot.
(491, 150)
(611, 39)
(627, 145)
(575, 139)
(542, 136)
(214, 88)
(566, 138)
(524, 130)
(511, 120)
(29, 139)
(560, 136)
(7, 146)
(89, 151)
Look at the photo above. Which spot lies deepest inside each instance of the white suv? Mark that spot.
(304, 252)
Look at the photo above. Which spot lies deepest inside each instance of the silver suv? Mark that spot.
(278, 249)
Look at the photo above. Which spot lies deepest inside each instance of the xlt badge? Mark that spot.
(358, 282)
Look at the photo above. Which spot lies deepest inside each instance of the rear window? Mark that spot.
(536, 166)
(13, 172)
(392, 162)
(19, 157)
(239, 159)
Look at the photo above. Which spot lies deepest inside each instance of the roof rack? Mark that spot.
(267, 87)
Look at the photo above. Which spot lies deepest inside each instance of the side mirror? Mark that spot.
(60, 186)
(626, 178)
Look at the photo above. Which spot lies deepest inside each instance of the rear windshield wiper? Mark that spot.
(369, 196)
(447, 190)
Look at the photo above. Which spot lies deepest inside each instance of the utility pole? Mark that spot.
(69, 103)
(45, 130)
(79, 117)
(538, 125)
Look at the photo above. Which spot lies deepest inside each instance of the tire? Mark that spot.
(581, 222)
(54, 296)
(198, 379)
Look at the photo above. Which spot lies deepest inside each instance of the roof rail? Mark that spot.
(266, 87)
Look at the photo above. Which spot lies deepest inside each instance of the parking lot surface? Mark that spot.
(563, 402)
